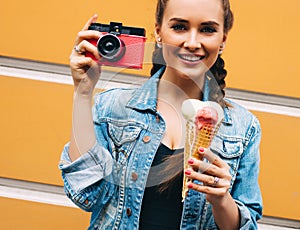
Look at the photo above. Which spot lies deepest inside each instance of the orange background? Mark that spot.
(20, 214)
(261, 56)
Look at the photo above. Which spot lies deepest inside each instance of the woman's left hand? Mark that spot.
(214, 175)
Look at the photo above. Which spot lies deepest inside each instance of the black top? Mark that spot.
(161, 210)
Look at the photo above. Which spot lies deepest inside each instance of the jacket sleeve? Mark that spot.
(246, 190)
(89, 179)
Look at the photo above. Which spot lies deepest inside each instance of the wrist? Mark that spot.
(82, 95)
(222, 202)
(226, 212)
(84, 90)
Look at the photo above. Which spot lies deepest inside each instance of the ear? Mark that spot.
(224, 39)
(223, 44)
(157, 32)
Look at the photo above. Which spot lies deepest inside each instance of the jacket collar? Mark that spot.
(145, 98)
(227, 115)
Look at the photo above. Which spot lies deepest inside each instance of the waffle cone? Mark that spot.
(196, 138)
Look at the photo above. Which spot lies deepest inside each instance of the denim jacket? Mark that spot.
(109, 180)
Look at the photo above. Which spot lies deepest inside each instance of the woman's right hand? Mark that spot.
(85, 71)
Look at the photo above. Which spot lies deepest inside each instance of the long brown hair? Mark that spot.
(217, 71)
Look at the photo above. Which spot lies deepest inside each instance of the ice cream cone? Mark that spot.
(203, 120)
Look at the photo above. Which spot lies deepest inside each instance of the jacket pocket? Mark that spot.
(123, 140)
(230, 150)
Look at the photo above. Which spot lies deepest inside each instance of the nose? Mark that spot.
(192, 41)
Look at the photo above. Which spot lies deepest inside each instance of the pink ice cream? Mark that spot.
(206, 116)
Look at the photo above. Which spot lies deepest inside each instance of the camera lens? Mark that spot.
(111, 47)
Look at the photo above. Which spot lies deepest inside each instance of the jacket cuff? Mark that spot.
(91, 167)
(246, 222)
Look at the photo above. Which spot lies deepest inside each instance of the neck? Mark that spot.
(179, 85)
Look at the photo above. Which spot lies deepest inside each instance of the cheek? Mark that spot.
(172, 40)
(170, 37)
(212, 48)
(168, 53)
(212, 45)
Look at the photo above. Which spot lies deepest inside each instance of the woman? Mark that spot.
(106, 166)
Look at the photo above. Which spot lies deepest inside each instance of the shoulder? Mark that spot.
(238, 111)
(111, 103)
(111, 94)
(243, 121)
(237, 108)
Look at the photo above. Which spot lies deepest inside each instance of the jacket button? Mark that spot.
(86, 201)
(146, 139)
(134, 176)
(128, 212)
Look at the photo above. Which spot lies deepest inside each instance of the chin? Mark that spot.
(193, 73)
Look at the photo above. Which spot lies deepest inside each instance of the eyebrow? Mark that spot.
(208, 23)
(178, 20)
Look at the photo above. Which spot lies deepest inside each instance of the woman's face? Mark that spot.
(191, 33)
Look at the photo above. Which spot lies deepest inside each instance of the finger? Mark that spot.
(203, 166)
(81, 63)
(208, 180)
(208, 189)
(88, 34)
(90, 21)
(211, 157)
(78, 51)
(84, 47)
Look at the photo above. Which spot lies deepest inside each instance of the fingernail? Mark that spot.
(191, 161)
(188, 172)
(190, 185)
(201, 150)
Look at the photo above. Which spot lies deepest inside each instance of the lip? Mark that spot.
(191, 58)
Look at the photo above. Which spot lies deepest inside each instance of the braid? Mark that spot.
(218, 72)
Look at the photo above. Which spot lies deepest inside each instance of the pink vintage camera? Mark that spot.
(120, 46)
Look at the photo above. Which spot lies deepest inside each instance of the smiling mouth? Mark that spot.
(190, 58)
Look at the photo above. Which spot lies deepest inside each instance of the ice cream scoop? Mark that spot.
(191, 107)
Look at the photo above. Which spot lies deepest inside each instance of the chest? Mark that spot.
(175, 124)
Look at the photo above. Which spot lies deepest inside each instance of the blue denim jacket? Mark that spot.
(109, 180)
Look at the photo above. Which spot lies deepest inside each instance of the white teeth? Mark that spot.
(190, 58)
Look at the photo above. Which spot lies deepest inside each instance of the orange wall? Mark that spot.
(263, 50)
(280, 170)
(19, 214)
(35, 123)
(261, 54)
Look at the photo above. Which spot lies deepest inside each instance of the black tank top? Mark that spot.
(161, 210)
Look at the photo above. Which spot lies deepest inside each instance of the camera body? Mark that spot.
(120, 46)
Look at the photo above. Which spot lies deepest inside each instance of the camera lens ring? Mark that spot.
(111, 47)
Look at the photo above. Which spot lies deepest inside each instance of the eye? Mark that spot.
(178, 27)
(208, 30)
